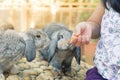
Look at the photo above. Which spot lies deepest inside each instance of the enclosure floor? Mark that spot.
(39, 70)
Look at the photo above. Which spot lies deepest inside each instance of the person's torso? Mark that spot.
(107, 55)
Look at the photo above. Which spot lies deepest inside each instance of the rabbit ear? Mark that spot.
(30, 50)
(52, 47)
(77, 54)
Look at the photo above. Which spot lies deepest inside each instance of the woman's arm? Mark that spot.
(95, 20)
(84, 31)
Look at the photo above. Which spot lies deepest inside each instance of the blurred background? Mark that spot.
(24, 14)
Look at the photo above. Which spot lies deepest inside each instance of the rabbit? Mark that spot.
(15, 45)
(60, 52)
(6, 25)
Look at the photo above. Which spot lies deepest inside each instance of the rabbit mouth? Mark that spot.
(67, 46)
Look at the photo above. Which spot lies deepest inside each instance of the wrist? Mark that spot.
(93, 23)
(95, 29)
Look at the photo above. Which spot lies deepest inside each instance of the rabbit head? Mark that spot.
(41, 39)
(63, 39)
(36, 39)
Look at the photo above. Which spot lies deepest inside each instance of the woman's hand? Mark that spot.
(82, 34)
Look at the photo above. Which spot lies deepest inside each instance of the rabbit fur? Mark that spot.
(14, 45)
(60, 54)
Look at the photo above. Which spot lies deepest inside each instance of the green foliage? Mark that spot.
(85, 15)
(80, 16)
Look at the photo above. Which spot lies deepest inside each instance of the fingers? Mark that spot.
(85, 39)
(80, 40)
(80, 28)
(82, 34)
(77, 31)
(74, 39)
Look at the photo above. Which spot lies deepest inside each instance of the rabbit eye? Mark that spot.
(38, 36)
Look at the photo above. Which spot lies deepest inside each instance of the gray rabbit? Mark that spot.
(60, 52)
(14, 45)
